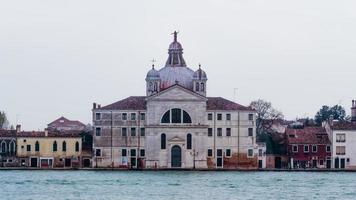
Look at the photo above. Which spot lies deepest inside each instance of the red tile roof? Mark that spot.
(307, 135)
(344, 126)
(62, 134)
(62, 121)
(219, 103)
(7, 133)
(139, 103)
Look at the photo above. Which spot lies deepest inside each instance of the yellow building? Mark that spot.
(49, 149)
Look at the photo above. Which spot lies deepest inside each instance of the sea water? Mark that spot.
(190, 185)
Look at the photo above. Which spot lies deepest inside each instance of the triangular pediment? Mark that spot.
(176, 139)
(177, 92)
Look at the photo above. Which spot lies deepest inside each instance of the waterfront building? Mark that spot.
(176, 125)
(8, 148)
(343, 137)
(64, 124)
(308, 147)
(48, 149)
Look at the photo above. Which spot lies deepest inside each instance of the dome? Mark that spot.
(153, 74)
(176, 75)
(200, 74)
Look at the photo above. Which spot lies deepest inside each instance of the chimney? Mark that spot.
(99, 106)
(18, 128)
(94, 105)
(353, 111)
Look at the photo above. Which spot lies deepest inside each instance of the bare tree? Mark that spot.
(266, 115)
(3, 120)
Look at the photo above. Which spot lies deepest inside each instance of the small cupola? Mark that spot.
(199, 81)
(153, 81)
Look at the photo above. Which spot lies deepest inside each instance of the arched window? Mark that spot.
(166, 117)
(77, 146)
(54, 147)
(163, 141)
(12, 147)
(64, 146)
(176, 116)
(189, 141)
(155, 87)
(37, 146)
(3, 147)
(186, 117)
(202, 87)
(197, 87)
(150, 87)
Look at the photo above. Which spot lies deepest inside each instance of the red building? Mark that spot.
(308, 147)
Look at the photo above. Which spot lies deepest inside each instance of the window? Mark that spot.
(166, 117)
(321, 162)
(133, 132)
(250, 117)
(340, 150)
(202, 87)
(196, 86)
(210, 153)
(163, 141)
(228, 117)
(54, 146)
(219, 117)
(77, 147)
(250, 153)
(124, 131)
(176, 116)
(142, 153)
(189, 141)
(210, 116)
(97, 116)
(250, 132)
(228, 131)
(155, 87)
(124, 116)
(98, 131)
(260, 152)
(133, 153)
(98, 152)
(64, 146)
(28, 147)
(210, 132)
(340, 138)
(314, 148)
(142, 132)
(123, 152)
(295, 148)
(37, 146)
(133, 116)
(143, 116)
(328, 148)
(186, 117)
(228, 152)
(219, 153)
(219, 132)
(306, 148)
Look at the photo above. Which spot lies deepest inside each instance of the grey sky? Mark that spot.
(57, 57)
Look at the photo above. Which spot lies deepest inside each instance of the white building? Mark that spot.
(175, 125)
(343, 139)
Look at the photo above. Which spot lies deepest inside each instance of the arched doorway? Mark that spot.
(176, 156)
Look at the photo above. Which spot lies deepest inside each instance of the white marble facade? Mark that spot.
(175, 125)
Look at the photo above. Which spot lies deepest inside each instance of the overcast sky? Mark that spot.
(58, 57)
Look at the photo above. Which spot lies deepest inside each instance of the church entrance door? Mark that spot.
(176, 154)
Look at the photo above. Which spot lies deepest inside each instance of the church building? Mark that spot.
(175, 125)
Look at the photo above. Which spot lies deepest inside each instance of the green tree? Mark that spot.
(325, 113)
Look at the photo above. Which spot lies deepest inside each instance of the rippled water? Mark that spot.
(176, 185)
